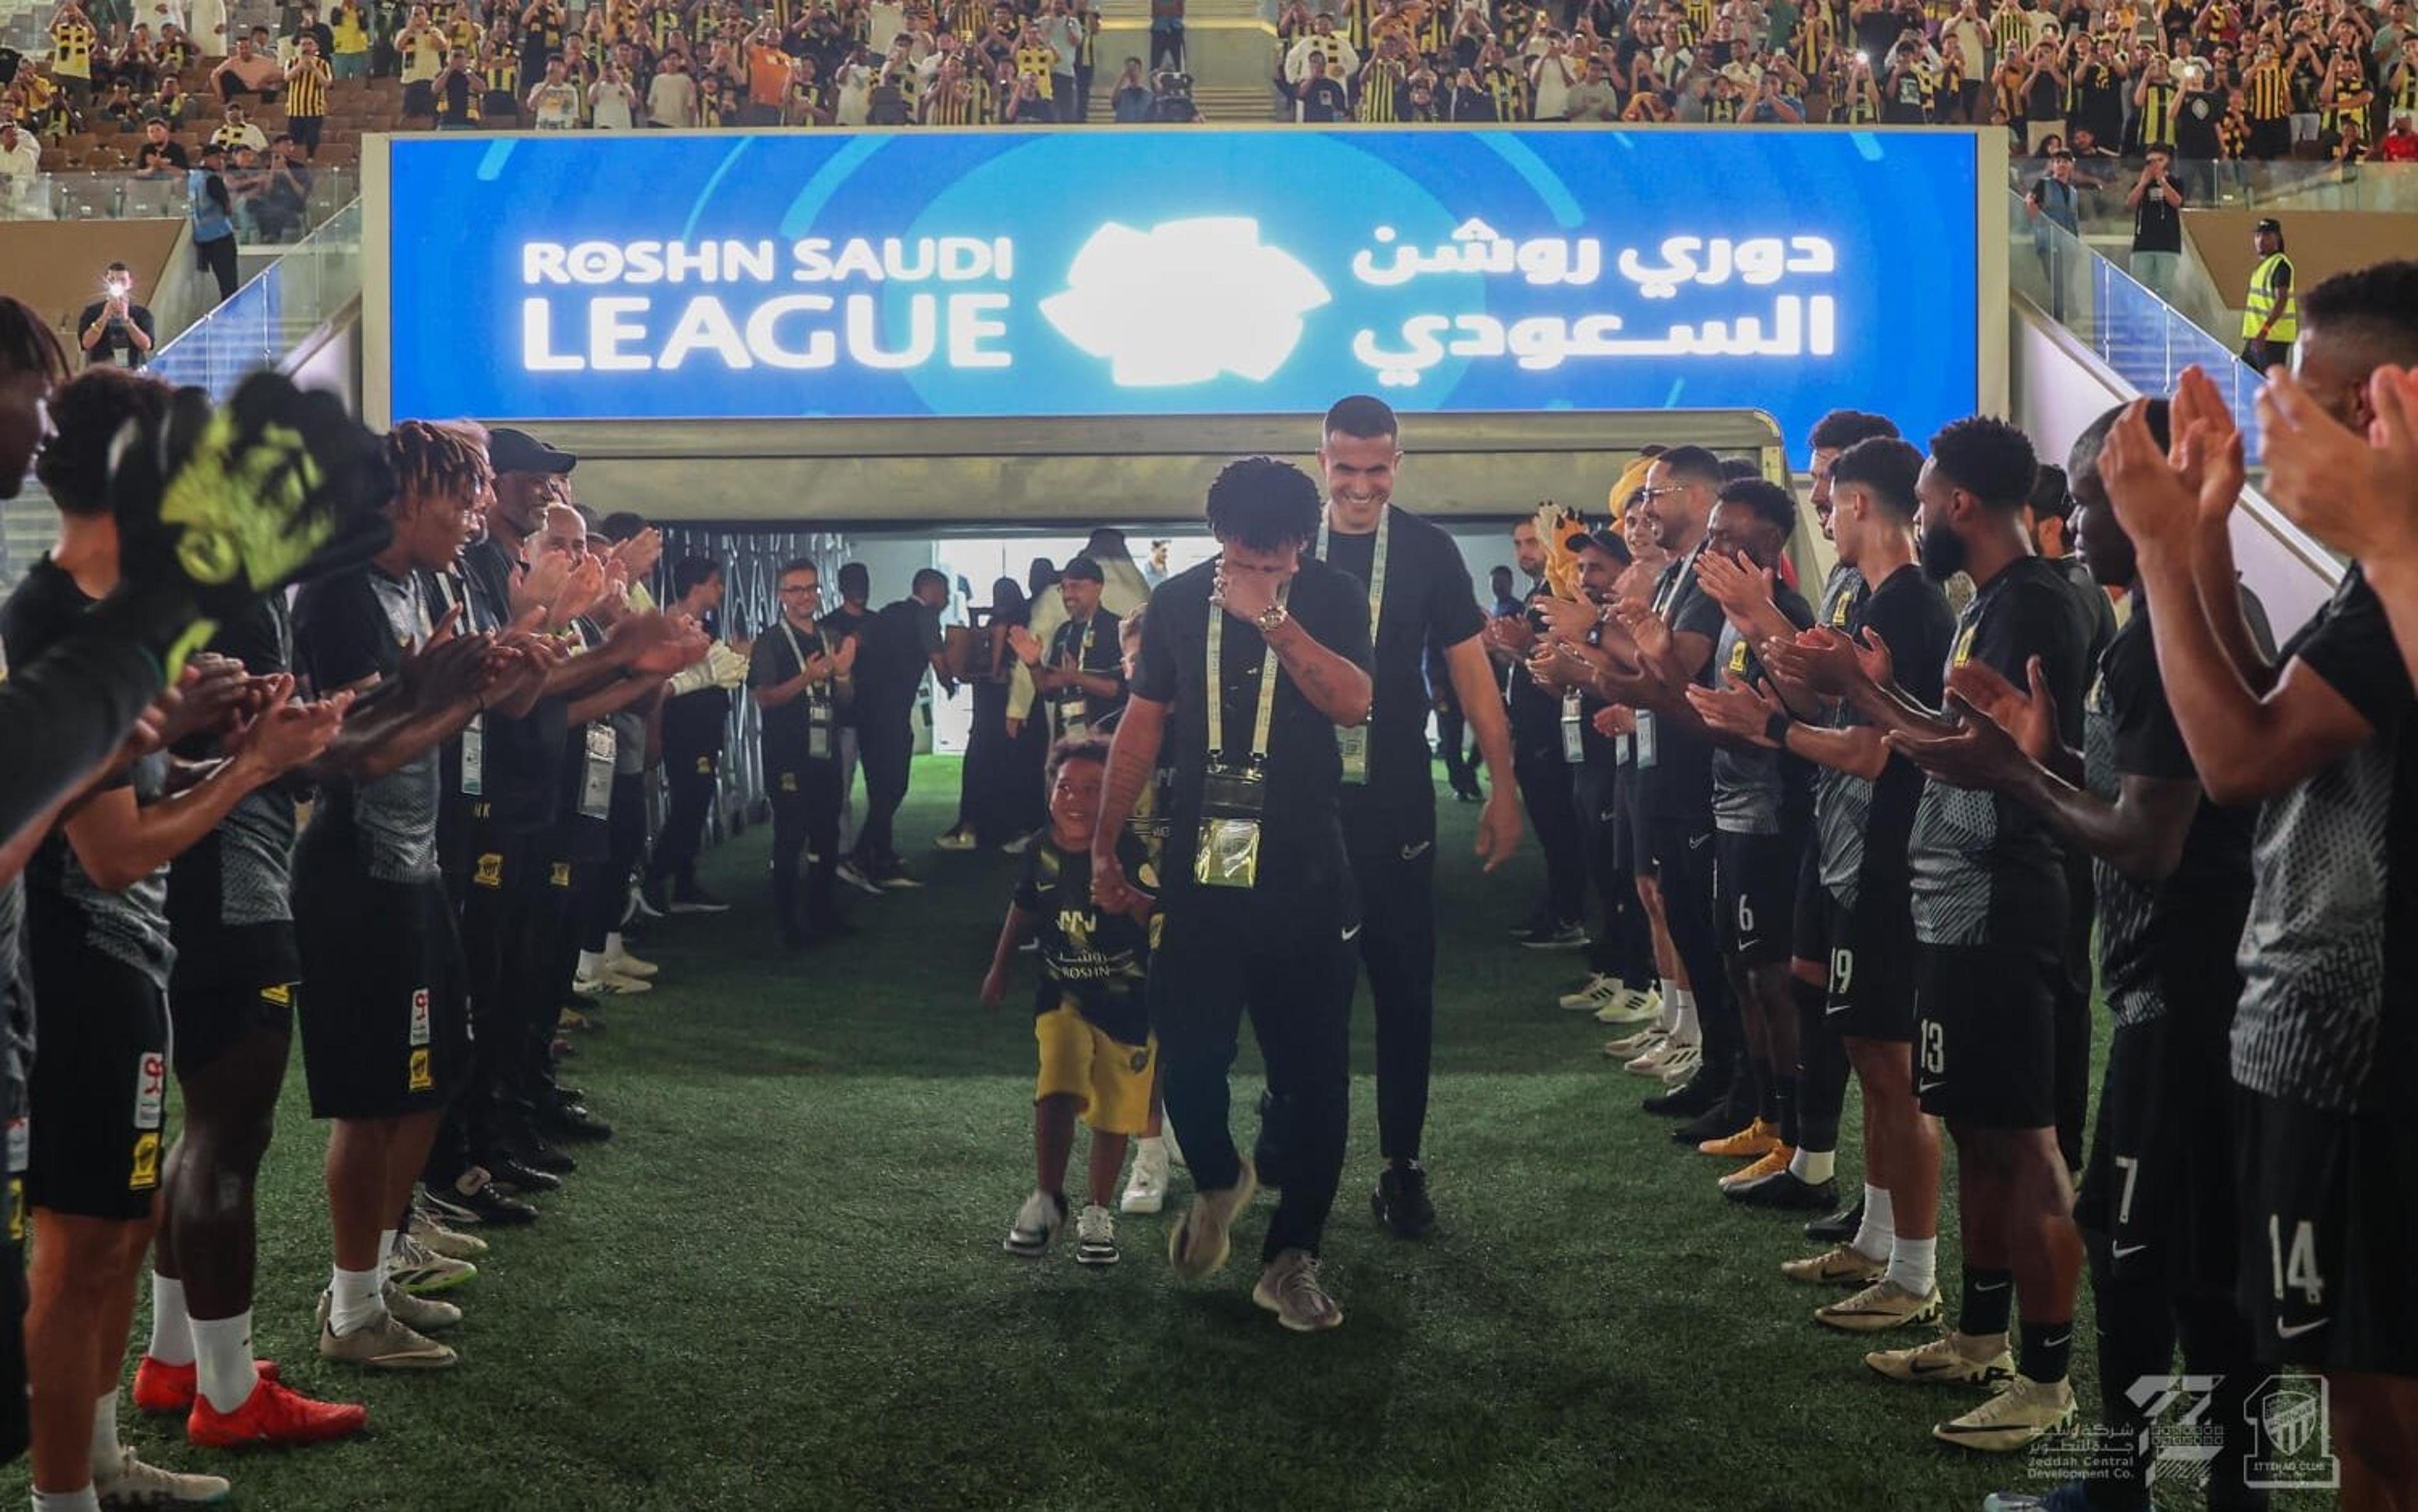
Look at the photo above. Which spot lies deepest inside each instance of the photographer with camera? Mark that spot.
(1171, 102)
(116, 330)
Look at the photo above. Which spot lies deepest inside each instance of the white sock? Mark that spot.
(1685, 1030)
(356, 1298)
(1872, 1240)
(107, 1453)
(1813, 1168)
(222, 1360)
(1913, 1264)
(589, 964)
(172, 1337)
(614, 949)
(86, 1499)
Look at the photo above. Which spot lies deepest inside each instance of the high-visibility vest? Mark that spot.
(2262, 301)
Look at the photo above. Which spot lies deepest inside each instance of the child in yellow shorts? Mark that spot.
(1099, 1057)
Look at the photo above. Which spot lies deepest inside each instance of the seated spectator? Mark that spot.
(235, 133)
(245, 182)
(159, 153)
(171, 104)
(285, 195)
(2400, 143)
(21, 157)
(119, 109)
(247, 70)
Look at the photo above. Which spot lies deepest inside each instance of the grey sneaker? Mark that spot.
(1095, 1237)
(386, 1344)
(1201, 1240)
(1289, 1287)
(133, 1483)
(421, 1270)
(1036, 1226)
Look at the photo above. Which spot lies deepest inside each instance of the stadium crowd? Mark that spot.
(2214, 82)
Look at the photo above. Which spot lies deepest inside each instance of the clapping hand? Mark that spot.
(1739, 710)
(2360, 498)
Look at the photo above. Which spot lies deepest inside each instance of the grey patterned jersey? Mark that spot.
(1756, 790)
(2313, 956)
(1841, 798)
(130, 927)
(350, 629)
(2124, 905)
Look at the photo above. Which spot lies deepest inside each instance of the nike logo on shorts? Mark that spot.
(2296, 1330)
(1353, 933)
(1697, 842)
(2121, 1251)
(1921, 1086)
(1414, 852)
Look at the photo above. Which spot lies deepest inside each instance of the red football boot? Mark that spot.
(272, 1415)
(160, 1389)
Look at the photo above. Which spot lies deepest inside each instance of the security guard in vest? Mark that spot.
(2271, 321)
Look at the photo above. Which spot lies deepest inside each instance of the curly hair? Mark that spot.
(88, 413)
(439, 459)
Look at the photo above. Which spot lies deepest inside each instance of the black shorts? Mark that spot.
(2325, 1217)
(1809, 935)
(2158, 1186)
(419, 97)
(211, 1020)
(1871, 972)
(1754, 894)
(1985, 1033)
(1631, 792)
(98, 1098)
(386, 1028)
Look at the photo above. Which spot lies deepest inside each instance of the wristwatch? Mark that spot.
(1272, 616)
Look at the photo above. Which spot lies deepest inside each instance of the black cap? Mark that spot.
(1611, 545)
(511, 450)
(2270, 224)
(1083, 568)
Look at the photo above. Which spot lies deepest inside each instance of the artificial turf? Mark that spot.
(781, 1284)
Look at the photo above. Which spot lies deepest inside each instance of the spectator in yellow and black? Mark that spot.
(419, 55)
(580, 71)
(1323, 39)
(1377, 94)
(306, 96)
(2095, 91)
(1648, 105)
(1912, 81)
(1035, 60)
(236, 133)
(1855, 96)
(952, 99)
(542, 31)
(73, 40)
(2044, 86)
(456, 90)
(2400, 78)
(1817, 33)
(349, 28)
(887, 105)
(2305, 66)
(2267, 98)
(1319, 98)
(2156, 98)
(2344, 104)
(463, 31)
(1464, 99)
(174, 52)
(499, 75)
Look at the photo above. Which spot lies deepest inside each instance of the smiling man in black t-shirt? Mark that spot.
(1259, 656)
(1420, 602)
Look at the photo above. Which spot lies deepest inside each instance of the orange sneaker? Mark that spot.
(1759, 1137)
(1774, 1161)
(272, 1415)
(160, 1388)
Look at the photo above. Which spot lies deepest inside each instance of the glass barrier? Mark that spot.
(2145, 340)
(260, 222)
(303, 290)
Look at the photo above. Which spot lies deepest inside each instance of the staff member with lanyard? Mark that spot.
(1259, 655)
(1420, 599)
(1084, 673)
(799, 680)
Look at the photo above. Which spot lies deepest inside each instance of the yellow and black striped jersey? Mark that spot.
(71, 49)
(2269, 92)
(1379, 98)
(306, 88)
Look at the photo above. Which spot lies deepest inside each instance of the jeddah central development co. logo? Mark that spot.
(1185, 303)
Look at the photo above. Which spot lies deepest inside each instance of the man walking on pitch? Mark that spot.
(1420, 599)
(1258, 656)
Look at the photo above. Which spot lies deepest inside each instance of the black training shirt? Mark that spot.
(1096, 959)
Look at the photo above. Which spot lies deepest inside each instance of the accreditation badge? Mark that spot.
(818, 729)
(1352, 745)
(1229, 852)
(1573, 728)
(474, 755)
(1645, 753)
(596, 781)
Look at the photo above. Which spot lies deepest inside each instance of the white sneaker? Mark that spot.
(621, 963)
(1681, 1063)
(610, 983)
(1600, 990)
(1628, 1046)
(1146, 1187)
(1095, 1236)
(415, 1268)
(133, 1483)
(953, 840)
(1650, 1061)
(1631, 1007)
(434, 1237)
(1036, 1225)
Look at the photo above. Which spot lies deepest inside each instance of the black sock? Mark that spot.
(1989, 1299)
(1783, 1097)
(1767, 1105)
(2047, 1349)
(1822, 1071)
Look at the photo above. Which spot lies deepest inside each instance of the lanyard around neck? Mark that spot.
(1376, 565)
(1217, 690)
